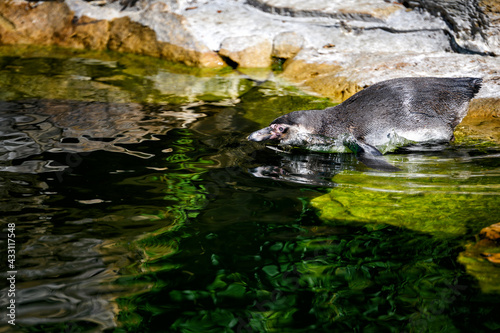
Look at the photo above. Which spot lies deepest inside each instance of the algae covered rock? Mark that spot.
(436, 196)
(482, 258)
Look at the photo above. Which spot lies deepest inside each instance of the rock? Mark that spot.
(287, 44)
(89, 33)
(174, 38)
(128, 36)
(494, 258)
(482, 259)
(367, 69)
(247, 51)
(365, 10)
(492, 232)
(485, 108)
(470, 21)
(25, 24)
(78, 24)
(321, 78)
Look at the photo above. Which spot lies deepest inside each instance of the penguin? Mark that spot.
(378, 119)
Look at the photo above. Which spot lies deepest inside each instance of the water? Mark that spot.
(138, 205)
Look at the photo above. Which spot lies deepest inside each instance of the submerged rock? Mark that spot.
(426, 197)
(482, 258)
(492, 232)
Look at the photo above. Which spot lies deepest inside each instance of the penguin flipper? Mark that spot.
(370, 156)
(376, 162)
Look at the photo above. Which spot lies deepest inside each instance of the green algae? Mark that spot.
(442, 201)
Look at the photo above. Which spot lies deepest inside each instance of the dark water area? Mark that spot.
(138, 205)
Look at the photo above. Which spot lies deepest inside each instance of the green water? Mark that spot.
(139, 206)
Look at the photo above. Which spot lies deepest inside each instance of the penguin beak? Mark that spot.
(261, 135)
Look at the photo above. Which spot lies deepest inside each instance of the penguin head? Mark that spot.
(288, 129)
(274, 132)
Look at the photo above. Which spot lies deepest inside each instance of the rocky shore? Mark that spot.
(332, 48)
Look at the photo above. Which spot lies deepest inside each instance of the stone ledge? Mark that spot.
(340, 75)
(22, 23)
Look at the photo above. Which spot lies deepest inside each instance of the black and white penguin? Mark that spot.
(378, 119)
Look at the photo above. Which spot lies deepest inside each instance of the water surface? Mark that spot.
(139, 206)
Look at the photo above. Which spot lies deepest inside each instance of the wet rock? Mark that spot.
(482, 122)
(432, 209)
(134, 79)
(492, 232)
(247, 51)
(287, 44)
(482, 258)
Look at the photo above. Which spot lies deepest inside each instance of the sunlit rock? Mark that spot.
(247, 51)
(153, 31)
(365, 10)
(36, 24)
(132, 37)
(175, 39)
(287, 44)
(472, 23)
(482, 122)
(90, 34)
(340, 75)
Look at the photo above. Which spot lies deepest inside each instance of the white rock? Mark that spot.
(368, 68)
(287, 44)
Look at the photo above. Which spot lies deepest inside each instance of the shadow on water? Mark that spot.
(138, 205)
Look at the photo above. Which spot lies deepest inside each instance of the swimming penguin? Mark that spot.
(378, 119)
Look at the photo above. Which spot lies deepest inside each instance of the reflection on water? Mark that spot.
(304, 167)
(150, 212)
(32, 127)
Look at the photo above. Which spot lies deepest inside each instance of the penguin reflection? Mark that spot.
(302, 167)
